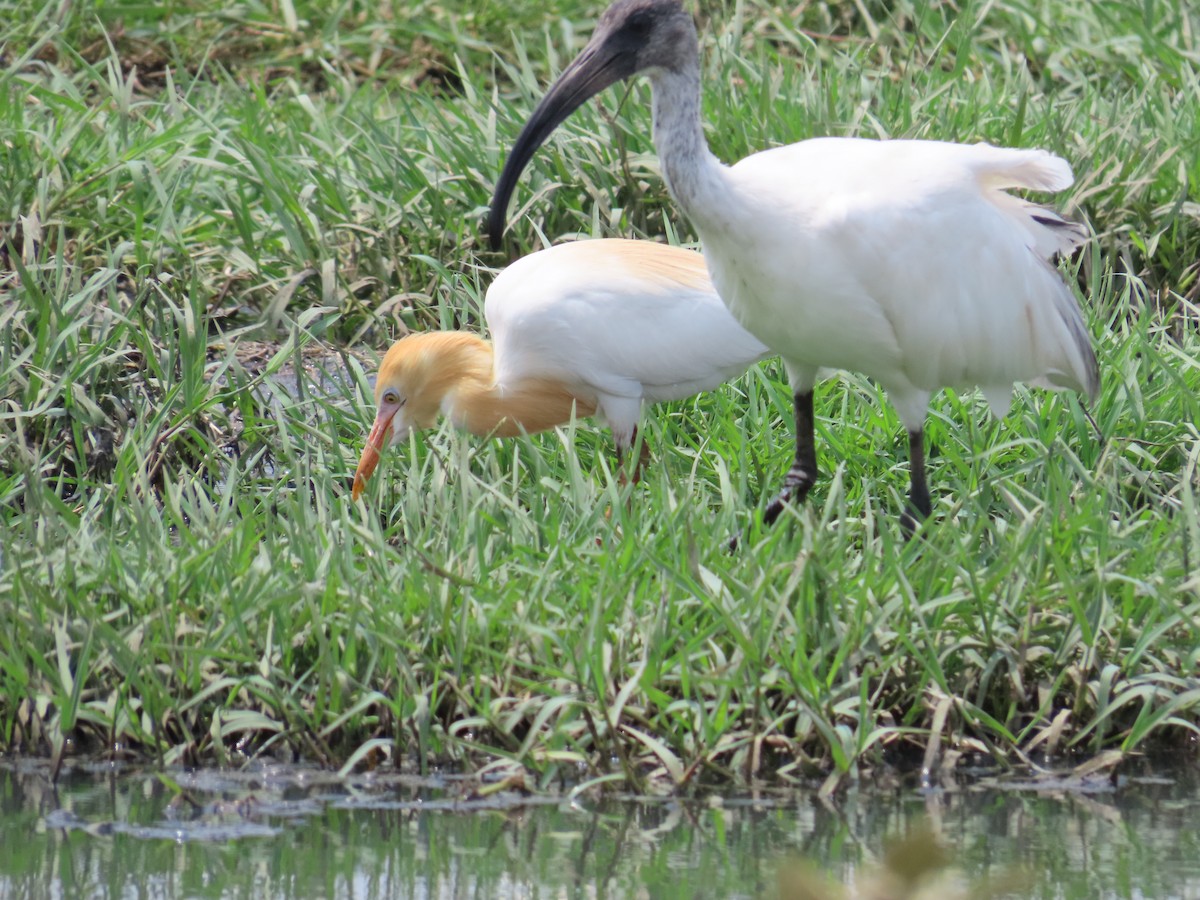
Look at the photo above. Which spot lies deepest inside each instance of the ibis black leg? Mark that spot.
(803, 473)
(919, 506)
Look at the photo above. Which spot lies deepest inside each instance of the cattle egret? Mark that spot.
(587, 328)
(904, 260)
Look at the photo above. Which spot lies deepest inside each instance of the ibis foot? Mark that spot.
(803, 473)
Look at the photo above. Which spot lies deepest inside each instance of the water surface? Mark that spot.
(292, 832)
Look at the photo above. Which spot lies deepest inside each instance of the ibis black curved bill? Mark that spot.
(605, 60)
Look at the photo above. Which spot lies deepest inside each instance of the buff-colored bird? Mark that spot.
(591, 328)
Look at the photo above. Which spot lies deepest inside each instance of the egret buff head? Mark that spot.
(632, 36)
(413, 381)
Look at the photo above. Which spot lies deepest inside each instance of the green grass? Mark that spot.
(208, 208)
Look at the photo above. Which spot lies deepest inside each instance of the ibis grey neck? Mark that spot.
(692, 173)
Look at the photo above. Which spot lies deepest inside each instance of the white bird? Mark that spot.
(586, 328)
(904, 260)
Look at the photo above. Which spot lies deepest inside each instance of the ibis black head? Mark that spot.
(633, 35)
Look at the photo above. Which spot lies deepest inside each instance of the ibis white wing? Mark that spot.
(905, 260)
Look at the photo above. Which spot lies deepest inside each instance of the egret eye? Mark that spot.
(391, 395)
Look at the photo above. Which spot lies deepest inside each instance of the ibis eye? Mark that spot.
(638, 24)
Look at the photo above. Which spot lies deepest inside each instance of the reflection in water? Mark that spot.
(289, 832)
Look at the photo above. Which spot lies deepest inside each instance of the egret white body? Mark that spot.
(904, 260)
(586, 328)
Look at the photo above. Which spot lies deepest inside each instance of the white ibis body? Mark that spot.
(587, 328)
(904, 260)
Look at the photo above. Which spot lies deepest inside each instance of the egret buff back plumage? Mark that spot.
(904, 260)
(582, 329)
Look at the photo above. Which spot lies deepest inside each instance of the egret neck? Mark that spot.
(452, 373)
